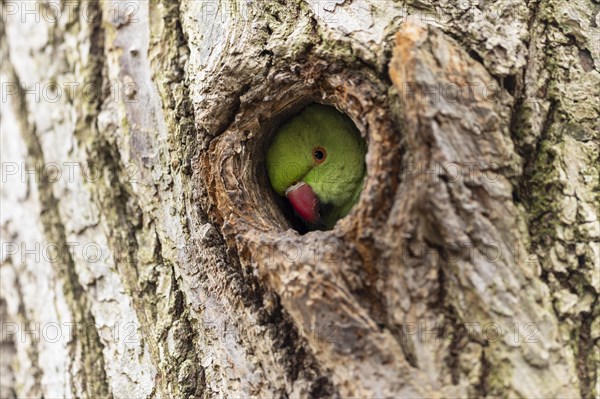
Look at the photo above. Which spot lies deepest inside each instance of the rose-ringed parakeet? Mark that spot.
(317, 161)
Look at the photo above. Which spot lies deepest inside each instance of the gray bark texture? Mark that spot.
(144, 253)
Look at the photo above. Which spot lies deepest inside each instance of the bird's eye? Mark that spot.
(319, 154)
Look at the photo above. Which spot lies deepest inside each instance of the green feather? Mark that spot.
(337, 181)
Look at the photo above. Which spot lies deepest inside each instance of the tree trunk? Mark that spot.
(144, 253)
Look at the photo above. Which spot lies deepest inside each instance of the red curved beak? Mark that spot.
(305, 202)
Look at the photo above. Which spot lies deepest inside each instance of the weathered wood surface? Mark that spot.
(138, 225)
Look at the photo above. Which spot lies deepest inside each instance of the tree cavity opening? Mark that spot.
(315, 166)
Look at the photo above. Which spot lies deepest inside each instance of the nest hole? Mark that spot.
(270, 130)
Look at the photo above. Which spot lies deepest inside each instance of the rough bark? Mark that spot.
(145, 255)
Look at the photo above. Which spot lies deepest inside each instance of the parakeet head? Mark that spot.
(317, 161)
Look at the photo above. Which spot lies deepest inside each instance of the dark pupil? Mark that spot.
(319, 155)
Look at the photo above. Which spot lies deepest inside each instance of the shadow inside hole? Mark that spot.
(289, 214)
